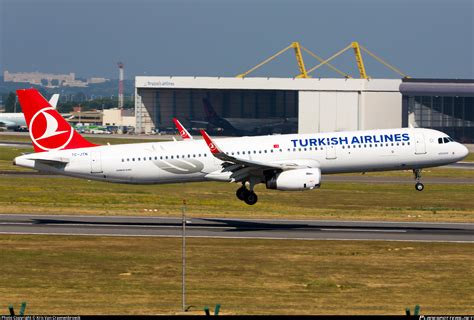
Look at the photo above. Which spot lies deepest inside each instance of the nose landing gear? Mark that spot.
(418, 185)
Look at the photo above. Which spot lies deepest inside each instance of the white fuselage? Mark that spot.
(12, 119)
(191, 160)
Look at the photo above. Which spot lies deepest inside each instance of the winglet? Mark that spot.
(54, 100)
(182, 130)
(214, 149)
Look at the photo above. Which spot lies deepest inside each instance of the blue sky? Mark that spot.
(423, 38)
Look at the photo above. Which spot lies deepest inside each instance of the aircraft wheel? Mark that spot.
(240, 193)
(251, 198)
(419, 186)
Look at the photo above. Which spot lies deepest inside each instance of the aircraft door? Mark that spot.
(96, 162)
(420, 146)
(331, 152)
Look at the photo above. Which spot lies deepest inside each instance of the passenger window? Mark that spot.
(123, 160)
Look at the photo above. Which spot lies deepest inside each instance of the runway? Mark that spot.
(236, 228)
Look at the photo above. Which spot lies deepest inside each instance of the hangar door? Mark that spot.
(326, 111)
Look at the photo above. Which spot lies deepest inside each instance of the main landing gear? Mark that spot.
(248, 196)
(418, 185)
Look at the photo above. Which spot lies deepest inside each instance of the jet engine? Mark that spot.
(295, 180)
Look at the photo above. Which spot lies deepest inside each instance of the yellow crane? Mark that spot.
(299, 60)
(325, 62)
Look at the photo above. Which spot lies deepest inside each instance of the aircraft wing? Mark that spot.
(243, 168)
(202, 122)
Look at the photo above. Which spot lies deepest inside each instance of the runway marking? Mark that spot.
(15, 223)
(226, 237)
(361, 230)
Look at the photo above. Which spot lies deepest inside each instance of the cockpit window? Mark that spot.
(440, 140)
(446, 140)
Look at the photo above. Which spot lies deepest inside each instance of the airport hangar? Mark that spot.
(317, 104)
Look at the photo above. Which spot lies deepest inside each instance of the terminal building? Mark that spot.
(255, 106)
(441, 104)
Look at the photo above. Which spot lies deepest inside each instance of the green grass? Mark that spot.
(98, 140)
(470, 157)
(99, 275)
(338, 200)
(335, 200)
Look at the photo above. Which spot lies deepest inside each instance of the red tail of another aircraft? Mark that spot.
(48, 129)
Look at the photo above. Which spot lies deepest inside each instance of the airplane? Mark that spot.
(244, 126)
(16, 119)
(291, 162)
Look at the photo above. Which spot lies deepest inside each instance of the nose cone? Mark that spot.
(463, 152)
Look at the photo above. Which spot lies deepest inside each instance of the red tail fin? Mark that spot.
(182, 130)
(48, 129)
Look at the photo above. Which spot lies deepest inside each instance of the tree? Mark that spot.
(10, 103)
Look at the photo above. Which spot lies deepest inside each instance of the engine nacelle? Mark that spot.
(295, 180)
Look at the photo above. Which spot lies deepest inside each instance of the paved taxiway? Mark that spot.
(236, 228)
